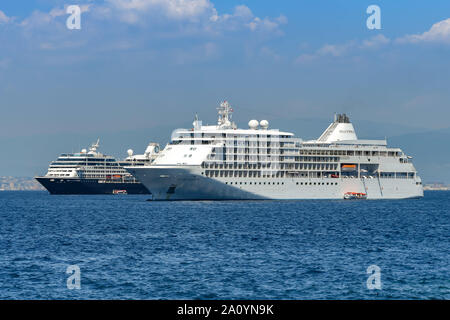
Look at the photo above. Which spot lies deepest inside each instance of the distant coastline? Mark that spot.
(436, 187)
(19, 184)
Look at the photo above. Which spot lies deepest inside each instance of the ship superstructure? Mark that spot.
(91, 172)
(216, 162)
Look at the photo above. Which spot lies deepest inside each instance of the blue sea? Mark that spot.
(129, 248)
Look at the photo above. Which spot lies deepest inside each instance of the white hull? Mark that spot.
(188, 183)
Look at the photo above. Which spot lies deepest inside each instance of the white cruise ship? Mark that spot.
(222, 162)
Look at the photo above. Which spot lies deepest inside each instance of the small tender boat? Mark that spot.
(354, 195)
(119, 191)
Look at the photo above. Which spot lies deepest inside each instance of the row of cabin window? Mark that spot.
(351, 153)
(313, 166)
(282, 183)
(105, 171)
(258, 173)
(255, 174)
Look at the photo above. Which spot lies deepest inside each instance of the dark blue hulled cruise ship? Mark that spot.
(90, 172)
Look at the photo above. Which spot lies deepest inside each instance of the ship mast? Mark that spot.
(94, 146)
(225, 115)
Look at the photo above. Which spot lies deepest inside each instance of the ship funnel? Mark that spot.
(339, 130)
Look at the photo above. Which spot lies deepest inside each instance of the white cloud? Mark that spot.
(375, 42)
(176, 17)
(133, 11)
(244, 17)
(4, 18)
(267, 24)
(438, 33)
(335, 50)
(263, 24)
(39, 18)
(340, 50)
(160, 19)
(201, 13)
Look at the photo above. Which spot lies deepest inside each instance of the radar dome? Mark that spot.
(130, 152)
(253, 124)
(83, 150)
(264, 124)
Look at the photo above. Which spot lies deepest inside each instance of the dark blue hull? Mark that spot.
(89, 186)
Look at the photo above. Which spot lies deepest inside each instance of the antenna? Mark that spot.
(197, 123)
(225, 115)
(94, 146)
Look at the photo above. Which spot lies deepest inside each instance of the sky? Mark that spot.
(138, 68)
